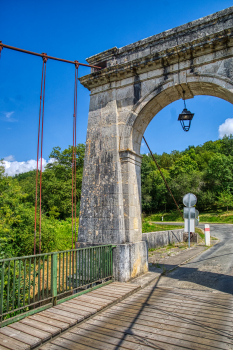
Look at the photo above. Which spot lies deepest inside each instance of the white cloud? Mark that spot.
(226, 128)
(9, 158)
(9, 114)
(13, 167)
(8, 117)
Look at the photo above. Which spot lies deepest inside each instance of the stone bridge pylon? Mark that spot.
(134, 84)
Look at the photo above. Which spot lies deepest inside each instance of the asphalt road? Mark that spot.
(213, 269)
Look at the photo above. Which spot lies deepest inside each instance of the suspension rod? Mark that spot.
(45, 55)
(163, 178)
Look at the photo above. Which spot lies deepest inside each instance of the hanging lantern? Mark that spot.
(185, 117)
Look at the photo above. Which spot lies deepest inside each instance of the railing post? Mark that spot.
(54, 277)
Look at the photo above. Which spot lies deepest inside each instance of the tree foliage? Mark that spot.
(206, 171)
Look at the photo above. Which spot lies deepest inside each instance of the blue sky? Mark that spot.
(76, 30)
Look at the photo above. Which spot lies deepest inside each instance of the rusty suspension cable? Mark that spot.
(74, 157)
(40, 151)
(44, 55)
(163, 178)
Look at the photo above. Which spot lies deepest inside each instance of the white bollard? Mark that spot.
(207, 234)
(162, 218)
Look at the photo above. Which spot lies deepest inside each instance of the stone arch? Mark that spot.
(163, 95)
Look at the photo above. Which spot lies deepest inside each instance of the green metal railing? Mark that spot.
(36, 281)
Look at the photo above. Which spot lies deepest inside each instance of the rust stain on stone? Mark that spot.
(136, 267)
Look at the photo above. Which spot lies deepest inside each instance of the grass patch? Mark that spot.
(150, 227)
(225, 217)
(221, 217)
(200, 232)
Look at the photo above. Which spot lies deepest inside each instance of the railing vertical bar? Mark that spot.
(85, 268)
(89, 265)
(34, 279)
(13, 296)
(82, 266)
(2, 288)
(71, 256)
(8, 287)
(43, 279)
(93, 269)
(19, 279)
(47, 277)
(109, 261)
(79, 267)
(67, 271)
(59, 274)
(38, 294)
(29, 281)
(73, 264)
(99, 263)
(104, 261)
(63, 257)
(24, 281)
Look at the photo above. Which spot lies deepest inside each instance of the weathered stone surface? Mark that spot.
(162, 238)
(130, 260)
(136, 82)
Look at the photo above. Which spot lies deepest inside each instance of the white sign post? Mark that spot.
(190, 213)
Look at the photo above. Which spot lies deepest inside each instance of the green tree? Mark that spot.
(56, 182)
(225, 199)
(219, 173)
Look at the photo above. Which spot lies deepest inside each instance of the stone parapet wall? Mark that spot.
(162, 238)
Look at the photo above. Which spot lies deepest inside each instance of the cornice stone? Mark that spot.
(187, 42)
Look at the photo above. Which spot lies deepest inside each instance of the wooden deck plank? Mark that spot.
(53, 322)
(114, 291)
(73, 310)
(187, 299)
(117, 289)
(13, 344)
(67, 314)
(31, 331)
(104, 295)
(42, 326)
(162, 328)
(67, 344)
(81, 307)
(56, 317)
(87, 304)
(115, 338)
(91, 299)
(199, 294)
(182, 318)
(193, 327)
(97, 298)
(51, 346)
(184, 313)
(208, 310)
(151, 334)
(120, 334)
(94, 343)
(21, 336)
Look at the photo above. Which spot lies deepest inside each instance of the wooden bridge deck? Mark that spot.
(34, 330)
(151, 318)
